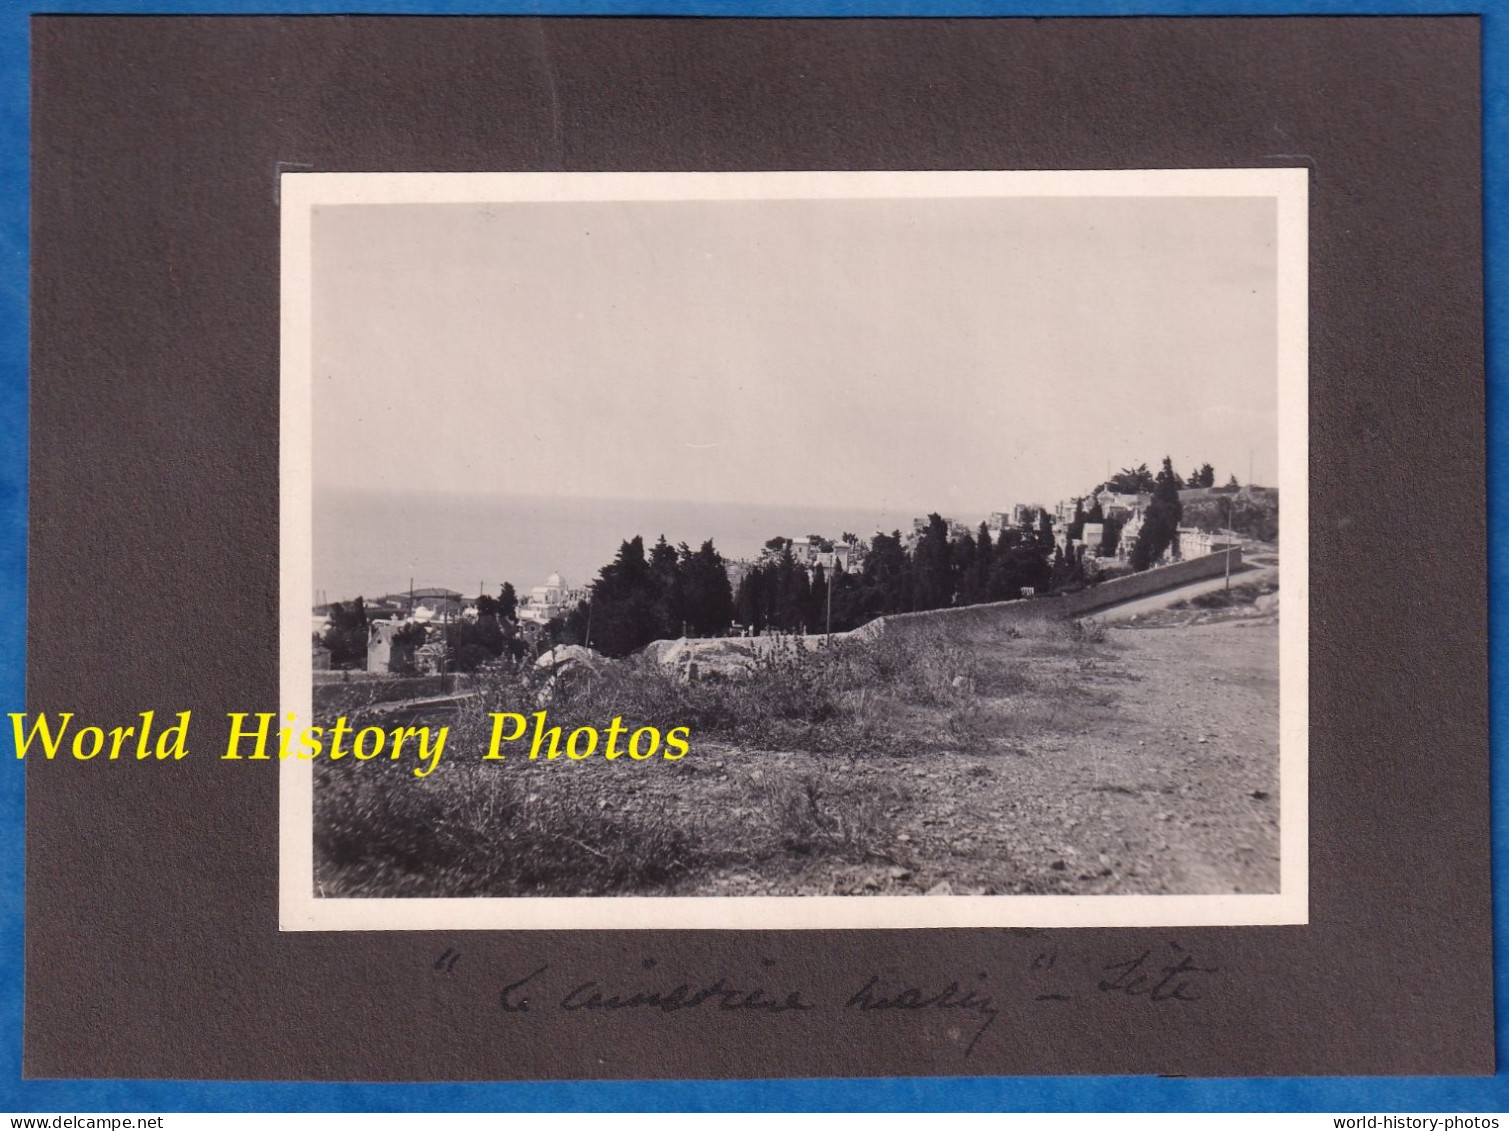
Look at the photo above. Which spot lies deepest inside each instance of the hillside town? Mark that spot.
(1024, 551)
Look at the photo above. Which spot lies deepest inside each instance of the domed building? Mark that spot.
(548, 601)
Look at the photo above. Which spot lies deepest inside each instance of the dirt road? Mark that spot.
(1154, 602)
(1145, 763)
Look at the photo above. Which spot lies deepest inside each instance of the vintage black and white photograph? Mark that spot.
(794, 549)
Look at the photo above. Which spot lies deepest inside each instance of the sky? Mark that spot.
(955, 355)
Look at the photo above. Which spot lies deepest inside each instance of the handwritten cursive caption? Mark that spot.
(1163, 975)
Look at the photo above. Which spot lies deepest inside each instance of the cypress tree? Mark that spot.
(1160, 525)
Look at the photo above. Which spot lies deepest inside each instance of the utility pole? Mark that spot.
(445, 614)
(830, 579)
(1230, 533)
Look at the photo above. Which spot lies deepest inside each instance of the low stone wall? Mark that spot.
(1120, 589)
(991, 614)
(727, 656)
(1086, 601)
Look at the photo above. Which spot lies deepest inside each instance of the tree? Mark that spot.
(750, 600)
(792, 591)
(817, 599)
(1067, 570)
(1160, 524)
(347, 635)
(1202, 476)
(1110, 537)
(470, 644)
(1132, 480)
(624, 614)
(1045, 537)
(1023, 560)
(979, 584)
(709, 599)
(669, 590)
(888, 575)
(571, 627)
(508, 603)
(628, 573)
(962, 555)
(933, 586)
(404, 643)
(850, 599)
(411, 636)
(1024, 564)
(1232, 482)
(1077, 523)
(513, 639)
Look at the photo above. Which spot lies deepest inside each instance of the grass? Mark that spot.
(798, 766)
(1245, 593)
(807, 817)
(1229, 598)
(473, 830)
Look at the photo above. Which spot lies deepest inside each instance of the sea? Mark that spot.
(371, 543)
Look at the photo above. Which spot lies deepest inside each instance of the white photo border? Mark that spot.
(301, 910)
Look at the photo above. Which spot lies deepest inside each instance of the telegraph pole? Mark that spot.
(831, 577)
(1230, 533)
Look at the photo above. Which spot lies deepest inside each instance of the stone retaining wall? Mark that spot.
(1086, 601)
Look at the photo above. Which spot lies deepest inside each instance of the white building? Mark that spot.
(805, 550)
(843, 556)
(1115, 505)
(1195, 543)
(384, 654)
(548, 601)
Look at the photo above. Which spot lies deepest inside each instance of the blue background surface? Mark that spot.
(1426, 1095)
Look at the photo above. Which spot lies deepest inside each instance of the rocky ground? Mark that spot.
(1134, 756)
(1154, 769)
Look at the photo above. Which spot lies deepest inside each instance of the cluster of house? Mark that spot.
(809, 550)
(389, 615)
(391, 649)
(1128, 509)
